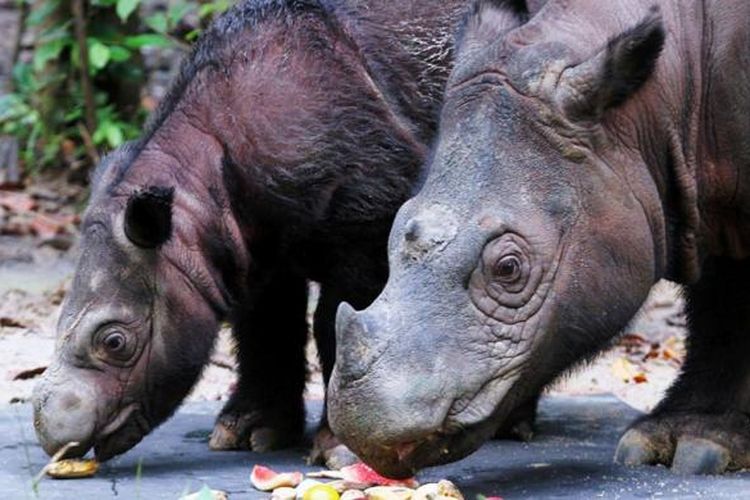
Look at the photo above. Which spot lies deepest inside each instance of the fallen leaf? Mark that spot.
(17, 202)
(624, 369)
(11, 323)
(31, 373)
(46, 226)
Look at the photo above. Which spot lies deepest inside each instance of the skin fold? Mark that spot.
(584, 153)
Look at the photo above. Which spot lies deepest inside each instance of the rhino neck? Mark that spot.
(690, 126)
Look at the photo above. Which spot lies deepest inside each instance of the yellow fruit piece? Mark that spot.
(321, 492)
(72, 469)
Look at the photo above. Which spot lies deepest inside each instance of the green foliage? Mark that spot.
(47, 107)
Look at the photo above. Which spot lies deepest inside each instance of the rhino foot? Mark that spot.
(327, 450)
(690, 443)
(252, 431)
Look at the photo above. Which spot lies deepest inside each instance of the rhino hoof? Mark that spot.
(225, 437)
(635, 449)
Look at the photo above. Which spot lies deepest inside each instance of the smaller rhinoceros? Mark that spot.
(584, 153)
(291, 137)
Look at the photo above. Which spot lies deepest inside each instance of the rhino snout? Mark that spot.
(64, 416)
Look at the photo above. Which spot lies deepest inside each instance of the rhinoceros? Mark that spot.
(291, 136)
(584, 153)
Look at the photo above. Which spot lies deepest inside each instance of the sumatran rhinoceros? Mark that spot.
(583, 154)
(281, 155)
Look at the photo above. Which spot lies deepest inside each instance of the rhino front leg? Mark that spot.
(703, 425)
(327, 449)
(266, 411)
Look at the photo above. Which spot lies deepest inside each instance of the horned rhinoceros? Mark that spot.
(584, 153)
(292, 135)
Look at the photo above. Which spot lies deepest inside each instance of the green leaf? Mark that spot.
(46, 52)
(147, 40)
(119, 54)
(193, 34)
(114, 135)
(125, 8)
(157, 22)
(215, 7)
(98, 55)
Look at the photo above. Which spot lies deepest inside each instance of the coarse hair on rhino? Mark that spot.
(293, 133)
(584, 153)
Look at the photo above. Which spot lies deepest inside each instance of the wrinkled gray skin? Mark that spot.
(132, 339)
(582, 156)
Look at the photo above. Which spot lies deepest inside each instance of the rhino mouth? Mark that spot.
(406, 459)
(122, 433)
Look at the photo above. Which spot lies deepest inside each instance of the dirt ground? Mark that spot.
(38, 246)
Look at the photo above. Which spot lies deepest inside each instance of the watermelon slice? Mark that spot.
(363, 474)
(265, 479)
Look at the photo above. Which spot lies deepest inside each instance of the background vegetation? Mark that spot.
(80, 71)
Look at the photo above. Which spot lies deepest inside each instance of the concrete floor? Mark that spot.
(570, 458)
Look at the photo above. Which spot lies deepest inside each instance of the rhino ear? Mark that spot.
(148, 216)
(613, 75)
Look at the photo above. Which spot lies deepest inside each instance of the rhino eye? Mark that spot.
(508, 269)
(114, 342)
(115, 345)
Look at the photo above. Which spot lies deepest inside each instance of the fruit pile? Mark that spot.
(356, 482)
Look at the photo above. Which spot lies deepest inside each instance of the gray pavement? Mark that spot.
(570, 458)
